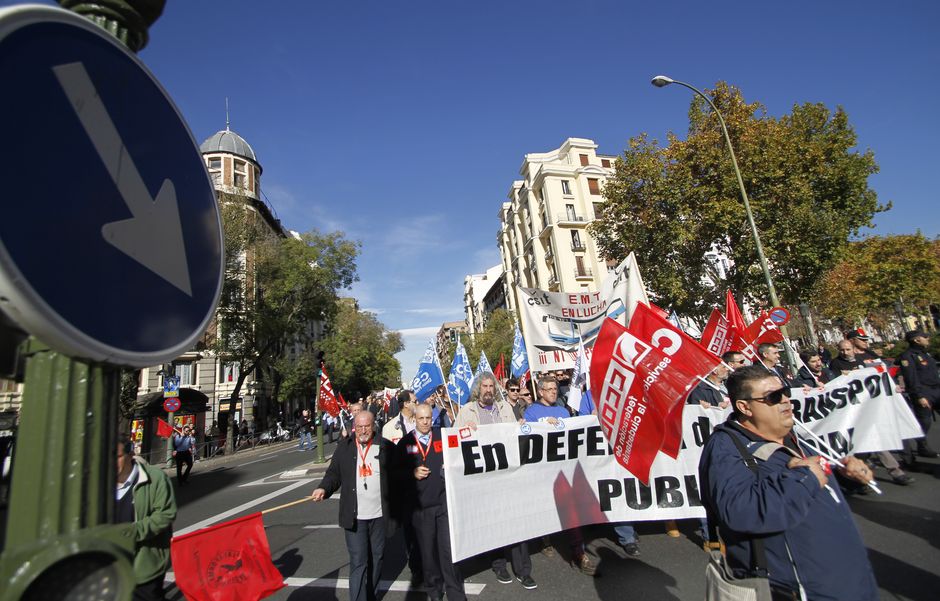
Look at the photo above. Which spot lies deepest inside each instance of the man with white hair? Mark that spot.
(358, 470)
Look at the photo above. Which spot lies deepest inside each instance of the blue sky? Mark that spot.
(404, 122)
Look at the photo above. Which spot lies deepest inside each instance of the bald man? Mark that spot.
(359, 470)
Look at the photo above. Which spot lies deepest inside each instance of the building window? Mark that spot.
(584, 160)
(579, 262)
(605, 163)
(569, 212)
(565, 187)
(240, 175)
(228, 373)
(257, 182)
(593, 186)
(215, 170)
(576, 241)
(598, 208)
(187, 373)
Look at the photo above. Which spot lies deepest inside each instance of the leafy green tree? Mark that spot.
(671, 205)
(495, 339)
(877, 272)
(360, 352)
(274, 288)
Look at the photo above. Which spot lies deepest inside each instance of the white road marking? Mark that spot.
(319, 526)
(402, 586)
(244, 506)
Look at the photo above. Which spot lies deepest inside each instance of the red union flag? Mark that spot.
(226, 562)
(633, 426)
(716, 337)
(679, 363)
(327, 400)
(763, 330)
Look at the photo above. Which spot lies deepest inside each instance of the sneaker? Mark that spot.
(549, 551)
(671, 528)
(502, 575)
(585, 564)
(527, 583)
(631, 549)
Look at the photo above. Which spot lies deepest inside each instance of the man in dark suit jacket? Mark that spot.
(359, 470)
(421, 473)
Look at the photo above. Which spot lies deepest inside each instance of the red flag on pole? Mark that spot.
(164, 430)
(670, 370)
(716, 337)
(226, 562)
(633, 426)
(763, 330)
(500, 371)
(342, 402)
(327, 400)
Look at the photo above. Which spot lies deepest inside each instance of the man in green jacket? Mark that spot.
(145, 497)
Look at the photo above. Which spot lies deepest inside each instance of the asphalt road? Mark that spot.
(900, 528)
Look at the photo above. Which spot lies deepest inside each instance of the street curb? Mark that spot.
(306, 470)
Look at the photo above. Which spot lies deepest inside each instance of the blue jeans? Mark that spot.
(625, 532)
(366, 545)
(308, 437)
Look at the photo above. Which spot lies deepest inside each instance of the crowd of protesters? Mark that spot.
(388, 463)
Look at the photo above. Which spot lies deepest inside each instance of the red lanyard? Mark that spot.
(363, 454)
(424, 451)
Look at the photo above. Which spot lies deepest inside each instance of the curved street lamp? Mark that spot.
(661, 81)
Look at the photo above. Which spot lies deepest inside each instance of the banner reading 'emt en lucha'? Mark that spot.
(553, 321)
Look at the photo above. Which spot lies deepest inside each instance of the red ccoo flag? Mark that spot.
(226, 562)
(633, 426)
(327, 400)
(670, 370)
(763, 330)
(716, 337)
(164, 430)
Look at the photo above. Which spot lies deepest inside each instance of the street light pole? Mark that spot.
(661, 81)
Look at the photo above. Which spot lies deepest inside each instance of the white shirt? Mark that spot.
(368, 486)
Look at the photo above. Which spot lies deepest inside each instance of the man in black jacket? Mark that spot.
(421, 464)
(922, 384)
(813, 373)
(359, 469)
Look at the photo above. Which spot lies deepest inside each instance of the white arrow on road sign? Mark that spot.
(154, 235)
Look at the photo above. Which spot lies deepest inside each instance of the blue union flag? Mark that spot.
(429, 375)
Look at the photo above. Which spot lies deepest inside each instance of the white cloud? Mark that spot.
(424, 332)
(434, 311)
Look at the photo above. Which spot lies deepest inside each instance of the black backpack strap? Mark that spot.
(758, 554)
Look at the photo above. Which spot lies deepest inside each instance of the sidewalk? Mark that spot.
(202, 464)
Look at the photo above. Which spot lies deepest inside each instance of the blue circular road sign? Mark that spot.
(111, 241)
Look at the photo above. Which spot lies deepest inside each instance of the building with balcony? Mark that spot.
(543, 237)
(483, 294)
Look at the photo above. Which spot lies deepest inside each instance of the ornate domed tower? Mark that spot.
(232, 164)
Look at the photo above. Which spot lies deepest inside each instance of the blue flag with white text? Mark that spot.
(429, 375)
(461, 376)
(520, 360)
(482, 365)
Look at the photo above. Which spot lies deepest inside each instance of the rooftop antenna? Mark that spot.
(226, 114)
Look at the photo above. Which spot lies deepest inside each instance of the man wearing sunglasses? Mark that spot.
(788, 507)
(512, 397)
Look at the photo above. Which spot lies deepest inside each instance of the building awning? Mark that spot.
(192, 401)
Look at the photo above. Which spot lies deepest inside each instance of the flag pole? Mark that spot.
(286, 505)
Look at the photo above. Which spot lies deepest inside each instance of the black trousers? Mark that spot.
(440, 573)
(151, 590)
(518, 555)
(181, 458)
(924, 416)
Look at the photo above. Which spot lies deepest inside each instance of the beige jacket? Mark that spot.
(469, 414)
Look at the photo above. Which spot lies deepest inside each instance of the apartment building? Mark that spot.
(543, 237)
(483, 293)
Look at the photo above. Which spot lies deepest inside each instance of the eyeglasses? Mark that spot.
(774, 397)
(511, 389)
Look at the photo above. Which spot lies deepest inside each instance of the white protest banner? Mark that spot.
(859, 412)
(508, 483)
(553, 322)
